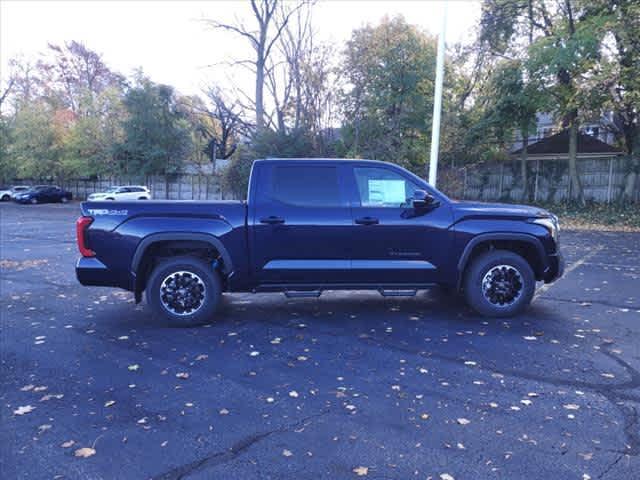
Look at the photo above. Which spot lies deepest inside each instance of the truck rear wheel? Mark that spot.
(184, 291)
(499, 283)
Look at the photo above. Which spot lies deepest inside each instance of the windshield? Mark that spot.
(112, 189)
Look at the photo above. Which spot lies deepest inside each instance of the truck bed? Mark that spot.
(120, 228)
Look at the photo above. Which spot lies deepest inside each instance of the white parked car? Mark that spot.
(9, 194)
(124, 192)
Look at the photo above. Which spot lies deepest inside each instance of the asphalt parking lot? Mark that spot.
(345, 386)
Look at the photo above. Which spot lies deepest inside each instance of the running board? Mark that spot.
(302, 294)
(398, 293)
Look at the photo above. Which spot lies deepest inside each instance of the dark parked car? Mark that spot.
(44, 194)
(311, 225)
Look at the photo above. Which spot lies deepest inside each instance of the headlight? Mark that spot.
(551, 224)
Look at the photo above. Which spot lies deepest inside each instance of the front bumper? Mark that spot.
(555, 269)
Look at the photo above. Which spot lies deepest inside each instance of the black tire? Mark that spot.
(142, 198)
(193, 271)
(6, 198)
(64, 199)
(513, 274)
(34, 201)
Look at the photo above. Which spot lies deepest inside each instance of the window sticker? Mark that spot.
(386, 192)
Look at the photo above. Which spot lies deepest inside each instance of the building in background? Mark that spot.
(546, 126)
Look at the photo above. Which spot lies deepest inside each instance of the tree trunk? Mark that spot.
(523, 164)
(574, 177)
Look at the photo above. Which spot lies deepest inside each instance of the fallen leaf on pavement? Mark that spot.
(84, 452)
(24, 409)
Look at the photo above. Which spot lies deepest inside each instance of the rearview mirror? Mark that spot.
(422, 199)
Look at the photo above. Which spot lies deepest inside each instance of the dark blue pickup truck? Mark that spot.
(310, 225)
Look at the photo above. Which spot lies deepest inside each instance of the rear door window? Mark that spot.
(306, 186)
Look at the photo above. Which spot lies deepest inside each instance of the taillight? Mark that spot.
(81, 227)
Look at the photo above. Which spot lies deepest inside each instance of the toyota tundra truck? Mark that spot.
(310, 225)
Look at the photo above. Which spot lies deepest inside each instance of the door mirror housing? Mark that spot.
(422, 199)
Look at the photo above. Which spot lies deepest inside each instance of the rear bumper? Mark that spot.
(555, 269)
(92, 272)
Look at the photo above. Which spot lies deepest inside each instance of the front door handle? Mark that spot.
(272, 220)
(367, 221)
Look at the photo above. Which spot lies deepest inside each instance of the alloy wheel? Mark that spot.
(502, 285)
(182, 293)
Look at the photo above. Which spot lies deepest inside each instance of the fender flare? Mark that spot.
(146, 242)
(485, 237)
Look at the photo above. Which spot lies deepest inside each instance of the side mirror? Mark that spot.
(422, 200)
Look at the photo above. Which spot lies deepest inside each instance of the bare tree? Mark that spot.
(228, 125)
(300, 80)
(76, 71)
(262, 39)
(23, 84)
(7, 90)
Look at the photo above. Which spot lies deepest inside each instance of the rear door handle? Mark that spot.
(367, 221)
(272, 220)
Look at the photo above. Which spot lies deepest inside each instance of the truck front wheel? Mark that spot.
(499, 283)
(184, 291)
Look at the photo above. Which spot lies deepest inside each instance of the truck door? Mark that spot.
(391, 242)
(301, 223)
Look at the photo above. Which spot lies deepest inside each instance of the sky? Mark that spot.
(172, 43)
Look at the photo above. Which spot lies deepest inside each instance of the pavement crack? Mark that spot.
(219, 457)
(631, 429)
(611, 465)
(612, 392)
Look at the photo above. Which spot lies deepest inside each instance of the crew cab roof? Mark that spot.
(323, 160)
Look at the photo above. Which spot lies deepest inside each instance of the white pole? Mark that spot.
(437, 102)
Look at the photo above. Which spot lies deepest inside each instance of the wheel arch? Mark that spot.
(145, 250)
(525, 245)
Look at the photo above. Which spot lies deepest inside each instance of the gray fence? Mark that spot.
(603, 180)
(178, 187)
